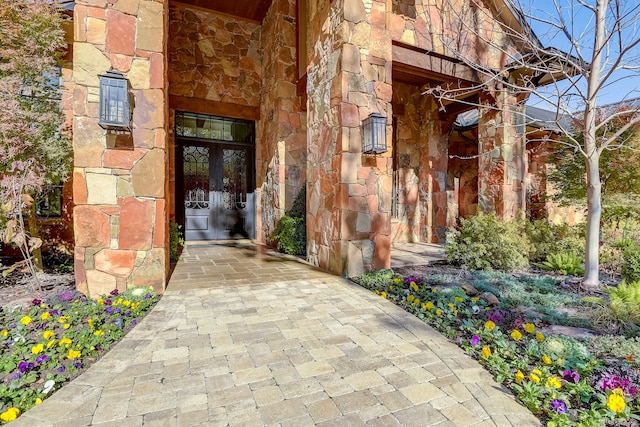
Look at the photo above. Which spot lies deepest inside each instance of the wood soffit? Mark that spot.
(422, 67)
(214, 108)
(253, 10)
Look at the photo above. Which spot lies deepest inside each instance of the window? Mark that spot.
(192, 125)
(49, 202)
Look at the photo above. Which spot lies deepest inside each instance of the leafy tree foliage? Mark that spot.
(619, 166)
(33, 150)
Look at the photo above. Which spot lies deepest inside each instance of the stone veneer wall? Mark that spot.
(120, 219)
(349, 194)
(281, 154)
(422, 168)
(214, 56)
(443, 27)
(424, 24)
(463, 167)
(502, 164)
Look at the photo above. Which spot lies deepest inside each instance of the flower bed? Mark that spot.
(51, 342)
(555, 377)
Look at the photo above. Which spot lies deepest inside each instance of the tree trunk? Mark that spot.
(594, 212)
(33, 232)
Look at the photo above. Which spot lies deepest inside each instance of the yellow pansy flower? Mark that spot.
(546, 360)
(37, 349)
(65, 341)
(413, 286)
(539, 337)
(530, 328)
(383, 294)
(48, 334)
(410, 298)
(553, 382)
(51, 343)
(25, 320)
(10, 414)
(533, 377)
(486, 352)
(458, 299)
(489, 325)
(429, 305)
(438, 312)
(45, 316)
(4, 332)
(519, 377)
(99, 333)
(38, 401)
(616, 402)
(516, 335)
(73, 354)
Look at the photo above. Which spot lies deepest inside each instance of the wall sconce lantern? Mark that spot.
(375, 134)
(115, 102)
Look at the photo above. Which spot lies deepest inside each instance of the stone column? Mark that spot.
(349, 193)
(119, 181)
(501, 165)
(282, 149)
(433, 173)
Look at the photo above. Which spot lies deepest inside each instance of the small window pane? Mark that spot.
(49, 203)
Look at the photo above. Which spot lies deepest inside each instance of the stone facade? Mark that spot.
(120, 220)
(179, 57)
(214, 56)
(281, 154)
(349, 194)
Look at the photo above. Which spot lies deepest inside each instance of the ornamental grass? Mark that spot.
(555, 377)
(48, 343)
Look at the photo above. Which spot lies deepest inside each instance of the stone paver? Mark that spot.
(244, 337)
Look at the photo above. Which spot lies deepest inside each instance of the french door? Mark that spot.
(216, 189)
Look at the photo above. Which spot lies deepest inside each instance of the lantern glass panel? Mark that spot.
(114, 102)
(375, 134)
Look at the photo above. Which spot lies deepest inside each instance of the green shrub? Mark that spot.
(565, 263)
(547, 239)
(299, 205)
(485, 242)
(176, 240)
(630, 268)
(625, 301)
(290, 235)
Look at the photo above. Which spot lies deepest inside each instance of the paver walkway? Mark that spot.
(244, 338)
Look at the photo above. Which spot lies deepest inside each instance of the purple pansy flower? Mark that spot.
(571, 376)
(114, 293)
(42, 358)
(36, 301)
(559, 406)
(474, 340)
